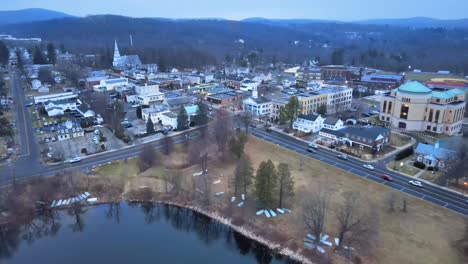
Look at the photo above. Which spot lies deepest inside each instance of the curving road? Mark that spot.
(436, 195)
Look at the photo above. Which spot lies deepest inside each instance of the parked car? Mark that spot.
(386, 177)
(74, 160)
(416, 183)
(343, 156)
(368, 166)
(29, 104)
(268, 129)
(253, 125)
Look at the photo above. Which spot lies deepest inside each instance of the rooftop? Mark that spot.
(310, 117)
(447, 94)
(414, 88)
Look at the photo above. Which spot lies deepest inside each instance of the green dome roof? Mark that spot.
(414, 88)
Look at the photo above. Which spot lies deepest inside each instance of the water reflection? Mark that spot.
(120, 229)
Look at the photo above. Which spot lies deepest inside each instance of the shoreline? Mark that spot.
(274, 247)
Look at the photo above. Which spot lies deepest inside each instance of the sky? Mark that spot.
(346, 10)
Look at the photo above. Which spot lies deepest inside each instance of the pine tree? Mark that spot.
(285, 182)
(4, 53)
(182, 119)
(236, 145)
(149, 126)
(265, 183)
(243, 175)
(51, 53)
(38, 56)
(138, 112)
(322, 109)
(290, 111)
(201, 117)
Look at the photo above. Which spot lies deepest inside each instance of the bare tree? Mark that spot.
(390, 200)
(147, 157)
(363, 237)
(246, 118)
(353, 218)
(222, 131)
(168, 145)
(314, 211)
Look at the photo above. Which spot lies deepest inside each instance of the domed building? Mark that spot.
(415, 107)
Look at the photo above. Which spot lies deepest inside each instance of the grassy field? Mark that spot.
(424, 77)
(406, 168)
(423, 235)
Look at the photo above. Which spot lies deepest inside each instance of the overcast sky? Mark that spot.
(239, 9)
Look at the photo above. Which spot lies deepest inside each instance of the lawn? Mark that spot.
(424, 77)
(407, 167)
(399, 140)
(423, 235)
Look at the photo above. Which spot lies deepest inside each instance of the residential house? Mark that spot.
(36, 84)
(68, 130)
(310, 123)
(169, 119)
(176, 103)
(248, 85)
(333, 123)
(433, 156)
(110, 84)
(259, 106)
(371, 137)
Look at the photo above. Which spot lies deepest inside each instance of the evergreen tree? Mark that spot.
(38, 56)
(138, 112)
(20, 61)
(290, 111)
(149, 126)
(337, 57)
(51, 53)
(4, 53)
(236, 145)
(265, 183)
(62, 48)
(322, 109)
(243, 175)
(201, 117)
(285, 182)
(45, 76)
(182, 119)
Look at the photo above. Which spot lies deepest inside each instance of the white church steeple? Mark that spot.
(117, 59)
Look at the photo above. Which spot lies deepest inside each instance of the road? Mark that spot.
(28, 151)
(87, 162)
(436, 195)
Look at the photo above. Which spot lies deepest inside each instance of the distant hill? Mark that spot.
(415, 22)
(419, 22)
(29, 15)
(197, 42)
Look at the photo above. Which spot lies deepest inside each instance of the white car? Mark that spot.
(368, 166)
(416, 183)
(343, 157)
(74, 160)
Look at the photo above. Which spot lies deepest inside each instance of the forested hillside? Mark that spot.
(199, 42)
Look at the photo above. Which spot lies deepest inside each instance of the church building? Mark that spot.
(126, 61)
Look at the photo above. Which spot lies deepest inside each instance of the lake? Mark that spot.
(130, 233)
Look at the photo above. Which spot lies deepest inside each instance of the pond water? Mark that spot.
(130, 233)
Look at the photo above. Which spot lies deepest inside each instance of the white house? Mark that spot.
(147, 89)
(290, 81)
(155, 113)
(110, 84)
(258, 106)
(68, 130)
(169, 119)
(248, 85)
(43, 89)
(55, 108)
(36, 84)
(433, 156)
(310, 123)
(333, 123)
(150, 99)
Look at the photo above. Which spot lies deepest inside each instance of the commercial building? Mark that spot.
(415, 107)
(382, 82)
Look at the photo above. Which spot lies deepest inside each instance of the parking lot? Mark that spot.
(73, 147)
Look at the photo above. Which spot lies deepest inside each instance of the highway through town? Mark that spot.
(434, 194)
